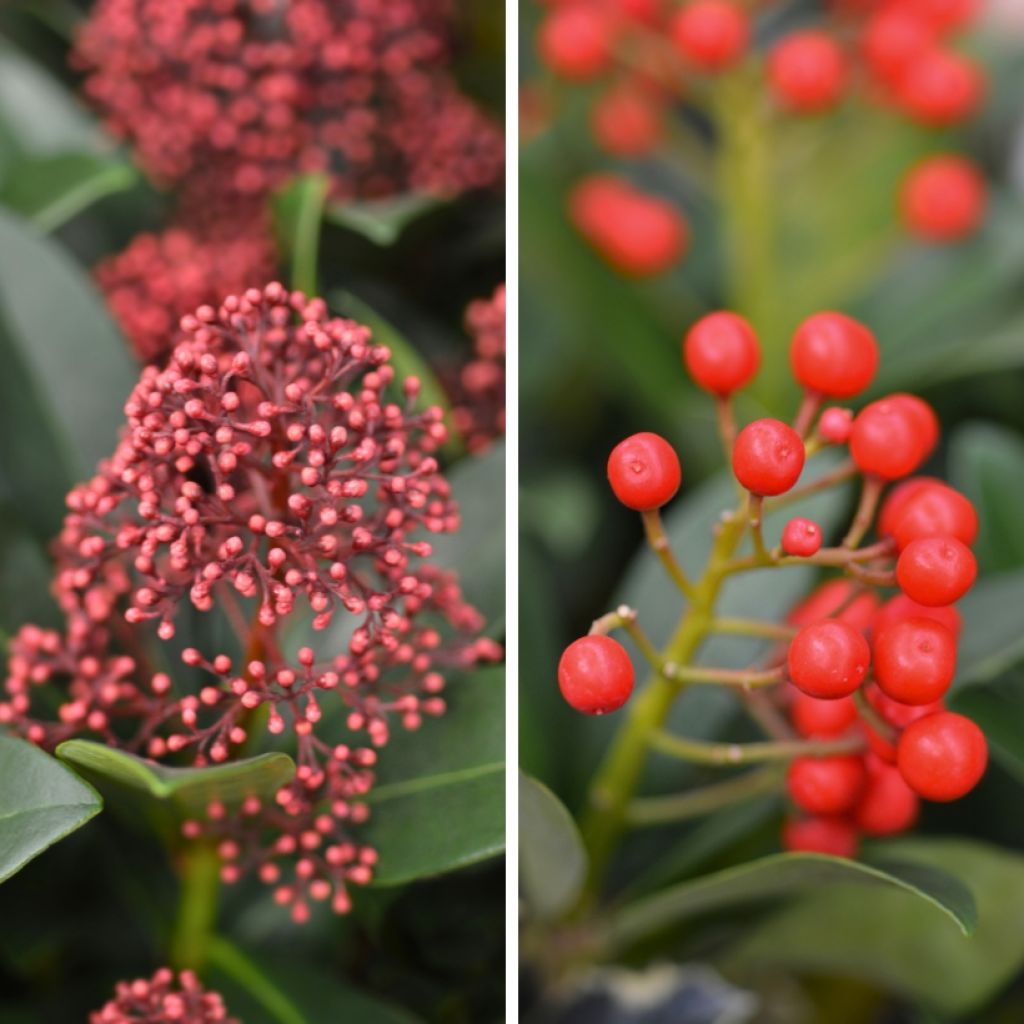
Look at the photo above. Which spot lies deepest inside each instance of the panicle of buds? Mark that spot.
(161, 999)
(480, 412)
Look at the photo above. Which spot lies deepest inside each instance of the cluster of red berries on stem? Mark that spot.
(162, 999)
(857, 681)
(274, 473)
(901, 54)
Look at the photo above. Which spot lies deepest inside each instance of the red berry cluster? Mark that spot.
(162, 999)
(275, 474)
(900, 54)
(479, 411)
(869, 674)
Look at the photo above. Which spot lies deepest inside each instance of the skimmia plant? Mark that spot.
(849, 695)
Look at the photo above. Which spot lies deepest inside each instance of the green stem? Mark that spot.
(843, 472)
(229, 959)
(659, 810)
(197, 907)
(745, 679)
(660, 545)
(753, 627)
(702, 752)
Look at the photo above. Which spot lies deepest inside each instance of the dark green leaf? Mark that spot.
(298, 213)
(382, 221)
(187, 790)
(552, 861)
(40, 803)
(992, 640)
(986, 462)
(784, 875)
(441, 799)
(51, 190)
(905, 944)
(999, 709)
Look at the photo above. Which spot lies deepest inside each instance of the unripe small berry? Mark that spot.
(768, 457)
(835, 424)
(575, 41)
(888, 805)
(888, 440)
(834, 836)
(721, 353)
(644, 472)
(833, 355)
(943, 198)
(828, 659)
(914, 660)
(626, 121)
(826, 785)
(941, 88)
(595, 675)
(807, 72)
(711, 34)
(821, 719)
(942, 757)
(936, 571)
(801, 537)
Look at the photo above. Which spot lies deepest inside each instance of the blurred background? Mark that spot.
(600, 359)
(96, 908)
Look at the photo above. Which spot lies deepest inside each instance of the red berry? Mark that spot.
(892, 40)
(944, 15)
(942, 757)
(896, 501)
(833, 355)
(768, 457)
(595, 675)
(922, 415)
(822, 719)
(826, 785)
(835, 424)
(887, 805)
(828, 659)
(626, 121)
(644, 472)
(897, 715)
(807, 72)
(828, 598)
(901, 607)
(887, 439)
(575, 41)
(936, 570)
(638, 234)
(835, 836)
(943, 199)
(915, 660)
(941, 88)
(721, 353)
(932, 510)
(711, 34)
(801, 537)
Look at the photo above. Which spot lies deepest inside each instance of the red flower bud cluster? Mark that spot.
(161, 999)
(865, 679)
(900, 54)
(256, 91)
(480, 390)
(272, 474)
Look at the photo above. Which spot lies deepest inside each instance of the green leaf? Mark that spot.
(440, 802)
(552, 861)
(900, 942)
(477, 550)
(267, 990)
(76, 363)
(41, 802)
(382, 221)
(298, 211)
(986, 463)
(51, 190)
(782, 875)
(186, 790)
(405, 358)
(992, 640)
(999, 710)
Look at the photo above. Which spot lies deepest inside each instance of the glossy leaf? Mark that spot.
(900, 942)
(298, 211)
(186, 790)
(41, 802)
(992, 640)
(382, 221)
(440, 803)
(51, 190)
(784, 875)
(552, 860)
